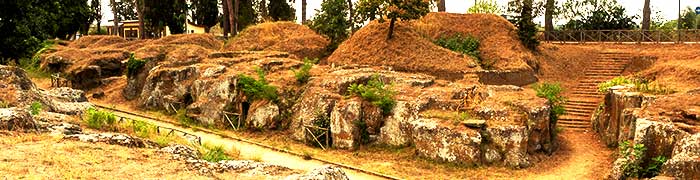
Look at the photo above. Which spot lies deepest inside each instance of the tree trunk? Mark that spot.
(98, 27)
(236, 5)
(225, 22)
(351, 18)
(231, 18)
(115, 29)
(391, 28)
(646, 19)
(139, 11)
(548, 13)
(441, 6)
(303, 11)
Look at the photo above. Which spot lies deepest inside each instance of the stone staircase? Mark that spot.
(585, 97)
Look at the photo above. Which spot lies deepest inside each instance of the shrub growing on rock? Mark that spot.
(133, 65)
(634, 159)
(35, 108)
(302, 74)
(603, 87)
(214, 154)
(376, 92)
(257, 89)
(552, 92)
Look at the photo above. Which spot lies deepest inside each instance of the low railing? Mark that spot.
(620, 36)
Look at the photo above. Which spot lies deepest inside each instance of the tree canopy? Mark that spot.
(280, 10)
(332, 21)
(393, 10)
(205, 12)
(596, 15)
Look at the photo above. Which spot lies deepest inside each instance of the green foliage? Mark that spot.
(391, 9)
(35, 108)
(133, 65)
(4, 104)
(376, 92)
(464, 44)
(96, 14)
(214, 154)
(302, 74)
(634, 160)
(640, 85)
(159, 14)
(247, 15)
(257, 89)
(596, 15)
(142, 129)
(126, 9)
(485, 6)
(205, 12)
(364, 134)
(332, 21)
(280, 10)
(552, 92)
(527, 29)
(603, 87)
(97, 119)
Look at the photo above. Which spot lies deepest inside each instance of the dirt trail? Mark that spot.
(581, 156)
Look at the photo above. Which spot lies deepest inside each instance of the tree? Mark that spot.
(646, 17)
(140, 10)
(393, 10)
(485, 6)
(264, 15)
(246, 14)
(688, 19)
(225, 19)
(303, 11)
(177, 17)
(548, 15)
(96, 8)
(596, 15)
(115, 28)
(280, 10)
(527, 30)
(127, 10)
(205, 12)
(332, 22)
(441, 6)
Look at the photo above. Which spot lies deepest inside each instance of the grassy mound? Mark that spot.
(289, 37)
(408, 51)
(499, 44)
(96, 41)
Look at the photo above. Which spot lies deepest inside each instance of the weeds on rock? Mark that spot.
(603, 87)
(302, 74)
(640, 85)
(133, 65)
(35, 108)
(634, 159)
(552, 92)
(257, 89)
(376, 92)
(464, 44)
(97, 119)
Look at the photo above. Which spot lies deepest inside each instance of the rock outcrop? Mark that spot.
(666, 125)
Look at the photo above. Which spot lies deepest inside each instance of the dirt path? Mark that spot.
(581, 156)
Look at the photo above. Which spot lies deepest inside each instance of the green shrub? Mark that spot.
(97, 119)
(375, 92)
(4, 104)
(214, 154)
(257, 89)
(142, 129)
(603, 87)
(467, 45)
(634, 156)
(35, 108)
(133, 65)
(302, 74)
(552, 92)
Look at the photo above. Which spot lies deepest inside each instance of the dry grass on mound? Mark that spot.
(498, 37)
(205, 40)
(95, 41)
(406, 51)
(290, 37)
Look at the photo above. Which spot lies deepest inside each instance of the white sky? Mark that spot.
(668, 8)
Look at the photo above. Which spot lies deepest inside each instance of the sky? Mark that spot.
(668, 8)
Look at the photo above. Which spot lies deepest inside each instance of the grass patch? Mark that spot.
(32, 65)
(454, 116)
(257, 89)
(467, 45)
(4, 104)
(183, 119)
(35, 108)
(639, 85)
(376, 92)
(133, 65)
(101, 120)
(302, 74)
(214, 153)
